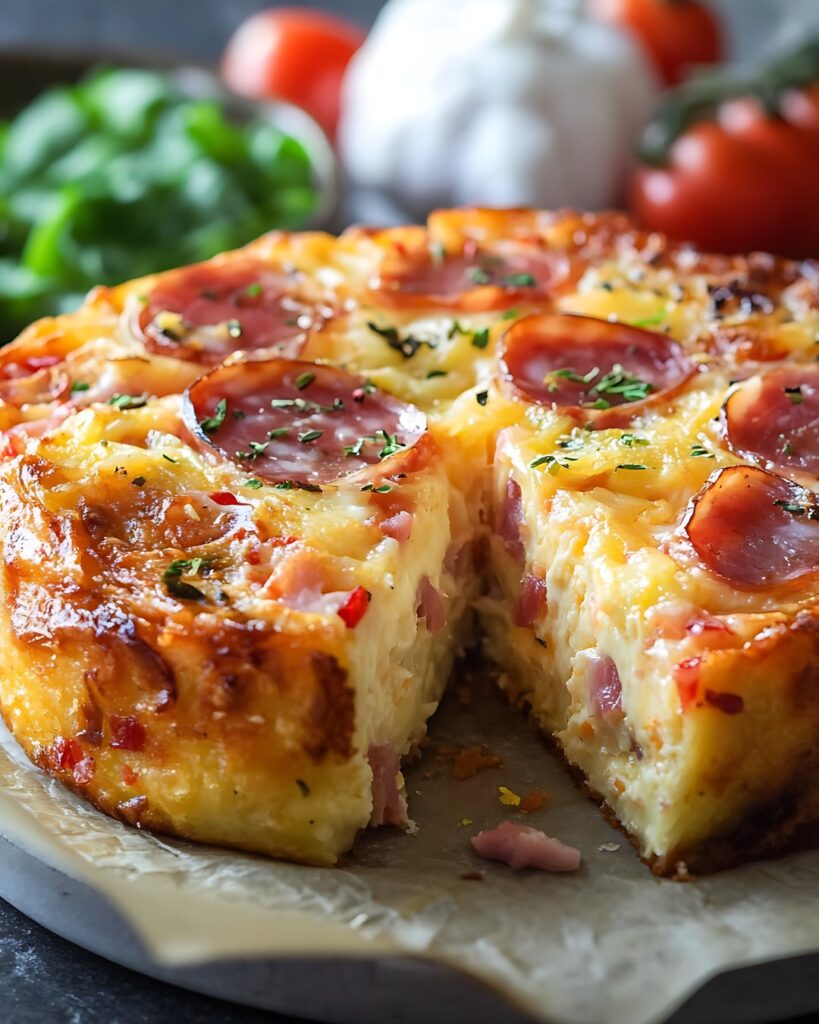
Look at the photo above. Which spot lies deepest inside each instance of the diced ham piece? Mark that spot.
(561, 359)
(604, 687)
(389, 799)
(301, 424)
(521, 846)
(430, 605)
(773, 418)
(399, 526)
(474, 278)
(531, 602)
(206, 312)
(753, 528)
(510, 520)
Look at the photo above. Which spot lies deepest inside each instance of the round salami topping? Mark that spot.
(754, 528)
(206, 312)
(566, 360)
(472, 279)
(300, 424)
(774, 418)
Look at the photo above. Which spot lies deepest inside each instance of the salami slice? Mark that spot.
(473, 278)
(206, 312)
(581, 362)
(773, 418)
(754, 528)
(300, 423)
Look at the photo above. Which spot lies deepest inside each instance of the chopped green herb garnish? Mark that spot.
(255, 450)
(629, 440)
(176, 586)
(436, 373)
(355, 449)
(79, 385)
(277, 432)
(699, 451)
(212, 423)
(480, 338)
(795, 395)
(406, 346)
(381, 489)
(128, 401)
(479, 276)
(297, 485)
(167, 458)
(307, 436)
(553, 462)
(520, 281)
(391, 445)
(253, 290)
(510, 314)
(631, 465)
(456, 328)
(650, 321)
(304, 380)
(253, 483)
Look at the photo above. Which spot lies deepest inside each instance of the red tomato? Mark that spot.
(294, 54)
(736, 183)
(675, 33)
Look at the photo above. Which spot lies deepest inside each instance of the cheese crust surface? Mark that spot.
(254, 510)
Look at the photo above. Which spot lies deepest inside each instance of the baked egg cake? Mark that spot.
(255, 509)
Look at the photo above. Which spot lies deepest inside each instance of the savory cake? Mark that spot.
(253, 510)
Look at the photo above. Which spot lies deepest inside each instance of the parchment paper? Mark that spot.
(610, 944)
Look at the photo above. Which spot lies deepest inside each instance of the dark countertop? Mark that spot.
(46, 980)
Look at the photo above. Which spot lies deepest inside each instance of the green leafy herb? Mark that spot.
(436, 373)
(795, 395)
(520, 281)
(554, 463)
(406, 346)
(167, 458)
(253, 483)
(381, 489)
(631, 465)
(278, 432)
(297, 485)
(308, 436)
(304, 380)
(212, 423)
(128, 401)
(480, 338)
(479, 276)
(253, 290)
(630, 440)
(176, 586)
(510, 314)
(256, 450)
(650, 321)
(79, 385)
(699, 451)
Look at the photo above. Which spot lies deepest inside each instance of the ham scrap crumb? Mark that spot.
(521, 846)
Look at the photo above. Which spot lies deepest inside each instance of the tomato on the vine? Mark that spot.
(294, 54)
(676, 34)
(731, 165)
